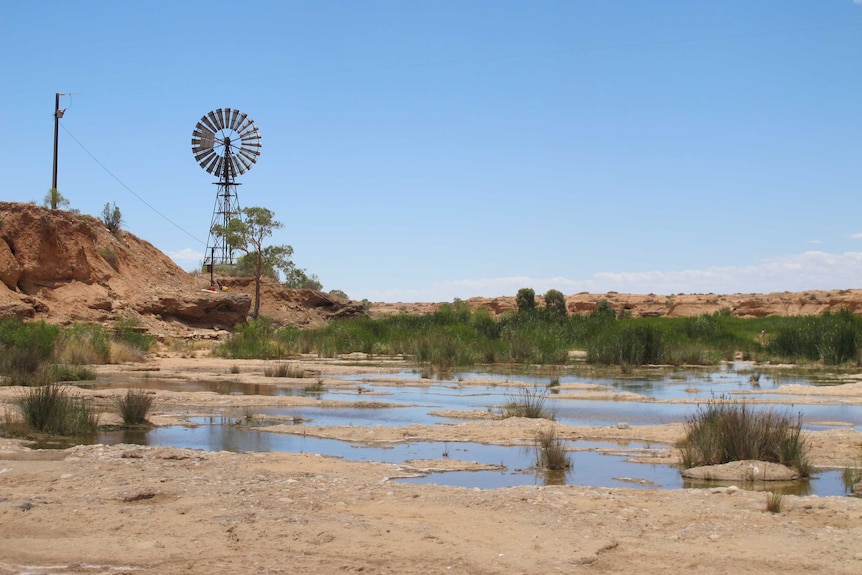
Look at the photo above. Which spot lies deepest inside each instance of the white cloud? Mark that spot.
(797, 272)
(857, 235)
(187, 258)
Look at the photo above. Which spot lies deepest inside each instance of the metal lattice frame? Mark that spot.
(225, 143)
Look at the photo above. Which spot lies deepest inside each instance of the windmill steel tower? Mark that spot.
(225, 143)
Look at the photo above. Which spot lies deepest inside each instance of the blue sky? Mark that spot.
(428, 150)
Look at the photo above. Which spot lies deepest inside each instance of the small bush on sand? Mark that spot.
(125, 353)
(53, 410)
(550, 452)
(774, 500)
(528, 403)
(63, 372)
(722, 432)
(284, 370)
(134, 406)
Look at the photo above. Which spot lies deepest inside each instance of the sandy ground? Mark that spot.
(98, 509)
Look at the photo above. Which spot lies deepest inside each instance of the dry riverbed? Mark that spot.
(158, 510)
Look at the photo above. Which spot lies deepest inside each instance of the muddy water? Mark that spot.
(517, 464)
(418, 399)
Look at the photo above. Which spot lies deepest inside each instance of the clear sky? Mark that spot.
(428, 150)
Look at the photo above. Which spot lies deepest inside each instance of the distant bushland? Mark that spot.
(455, 337)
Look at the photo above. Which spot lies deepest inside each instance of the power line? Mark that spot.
(130, 190)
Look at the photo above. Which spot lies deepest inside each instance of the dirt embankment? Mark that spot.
(63, 267)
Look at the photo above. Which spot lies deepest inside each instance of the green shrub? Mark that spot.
(25, 350)
(526, 300)
(64, 372)
(112, 218)
(83, 344)
(722, 432)
(51, 409)
(128, 331)
(134, 406)
(110, 256)
(555, 304)
(255, 339)
(604, 310)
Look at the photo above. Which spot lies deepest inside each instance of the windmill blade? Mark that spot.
(239, 121)
(245, 163)
(249, 130)
(249, 157)
(225, 118)
(245, 124)
(250, 154)
(219, 165)
(249, 145)
(234, 123)
(215, 121)
(205, 138)
(204, 157)
(238, 167)
(206, 121)
(250, 136)
(212, 165)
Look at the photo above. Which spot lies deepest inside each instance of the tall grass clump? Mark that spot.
(629, 344)
(134, 406)
(832, 338)
(255, 339)
(128, 331)
(550, 451)
(721, 432)
(25, 351)
(284, 370)
(774, 501)
(528, 403)
(83, 344)
(53, 410)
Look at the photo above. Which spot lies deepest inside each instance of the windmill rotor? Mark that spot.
(222, 138)
(225, 142)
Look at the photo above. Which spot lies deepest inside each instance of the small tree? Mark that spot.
(112, 218)
(247, 235)
(526, 300)
(54, 199)
(555, 304)
(298, 278)
(604, 309)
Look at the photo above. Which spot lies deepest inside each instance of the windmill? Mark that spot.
(225, 143)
